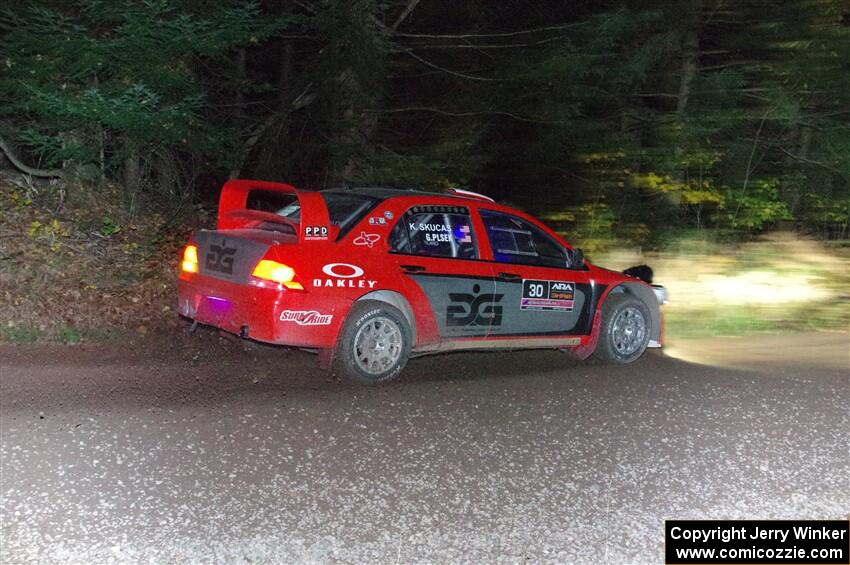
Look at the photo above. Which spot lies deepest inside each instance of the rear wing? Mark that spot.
(232, 212)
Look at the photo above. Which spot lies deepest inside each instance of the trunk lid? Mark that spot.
(231, 255)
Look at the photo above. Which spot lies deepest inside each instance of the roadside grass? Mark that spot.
(782, 282)
(21, 335)
(64, 334)
(746, 320)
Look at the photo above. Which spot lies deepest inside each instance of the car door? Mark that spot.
(436, 250)
(542, 294)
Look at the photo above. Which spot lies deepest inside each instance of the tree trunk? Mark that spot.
(284, 78)
(168, 173)
(18, 164)
(689, 70)
(239, 101)
(690, 56)
(805, 141)
(795, 195)
(355, 133)
(239, 97)
(132, 170)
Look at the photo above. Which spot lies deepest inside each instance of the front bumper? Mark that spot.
(660, 293)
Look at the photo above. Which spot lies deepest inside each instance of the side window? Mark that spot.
(435, 231)
(514, 240)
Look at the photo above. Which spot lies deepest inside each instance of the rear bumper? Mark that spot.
(264, 314)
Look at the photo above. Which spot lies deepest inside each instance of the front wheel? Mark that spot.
(375, 343)
(625, 330)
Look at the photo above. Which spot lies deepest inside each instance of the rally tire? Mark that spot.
(625, 330)
(375, 343)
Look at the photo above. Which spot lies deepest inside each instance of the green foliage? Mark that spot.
(751, 207)
(94, 81)
(109, 227)
(740, 140)
(649, 115)
(20, 334)
(70, 335)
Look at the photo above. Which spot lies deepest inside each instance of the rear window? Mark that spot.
(344, 209)
(281, 203)
(269, 201)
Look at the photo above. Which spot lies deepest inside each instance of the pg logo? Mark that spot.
(220, 258)
(474, 309)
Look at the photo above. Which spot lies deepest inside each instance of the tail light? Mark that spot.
(190, 259)
(272, 271)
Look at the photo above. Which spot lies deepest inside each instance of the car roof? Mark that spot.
(381, 194)
(385, 193)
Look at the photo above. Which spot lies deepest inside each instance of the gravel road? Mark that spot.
(204, 449)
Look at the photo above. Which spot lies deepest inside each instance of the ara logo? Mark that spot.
(344, 275)
(474, 309)
(562, 286)
(367, 239)
(220, 258)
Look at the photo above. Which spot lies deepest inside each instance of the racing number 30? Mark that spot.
(535, 290)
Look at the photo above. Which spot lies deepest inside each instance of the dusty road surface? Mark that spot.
(202, 449)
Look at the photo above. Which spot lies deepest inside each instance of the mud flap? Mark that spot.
(326, 358)
(582, 352)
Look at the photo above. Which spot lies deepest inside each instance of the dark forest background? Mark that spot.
(615, 120)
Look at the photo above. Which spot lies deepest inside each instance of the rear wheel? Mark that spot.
(625, 330)
(375, 342)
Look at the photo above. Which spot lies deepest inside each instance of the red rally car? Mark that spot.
(371, 276)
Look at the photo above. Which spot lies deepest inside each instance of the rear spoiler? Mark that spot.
(315, 221)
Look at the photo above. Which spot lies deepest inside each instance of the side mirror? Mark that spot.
(577, 258)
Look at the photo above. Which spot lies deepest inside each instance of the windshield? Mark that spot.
(344, 209)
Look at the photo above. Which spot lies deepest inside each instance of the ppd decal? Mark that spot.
(315, 232)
